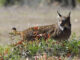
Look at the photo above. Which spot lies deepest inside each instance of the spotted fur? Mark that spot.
(60, 31)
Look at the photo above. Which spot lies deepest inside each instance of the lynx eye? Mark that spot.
(63, 19)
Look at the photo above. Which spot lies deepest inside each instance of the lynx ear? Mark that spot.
(69, 14)
(59, 14)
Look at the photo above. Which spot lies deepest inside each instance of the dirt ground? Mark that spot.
(24, 17)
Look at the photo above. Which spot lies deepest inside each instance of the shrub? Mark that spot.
(2, 2)
(30, 49)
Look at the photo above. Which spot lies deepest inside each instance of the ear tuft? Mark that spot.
(59, 14)
(69, 14)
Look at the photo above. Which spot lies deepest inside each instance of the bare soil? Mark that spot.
(25, 17)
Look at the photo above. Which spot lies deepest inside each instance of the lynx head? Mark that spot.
(64, 21)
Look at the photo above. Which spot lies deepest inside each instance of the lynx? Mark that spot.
(60, 31)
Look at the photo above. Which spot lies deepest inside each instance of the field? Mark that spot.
(25, 17)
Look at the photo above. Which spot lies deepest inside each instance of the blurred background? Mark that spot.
(23, 14)
(37, 3)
